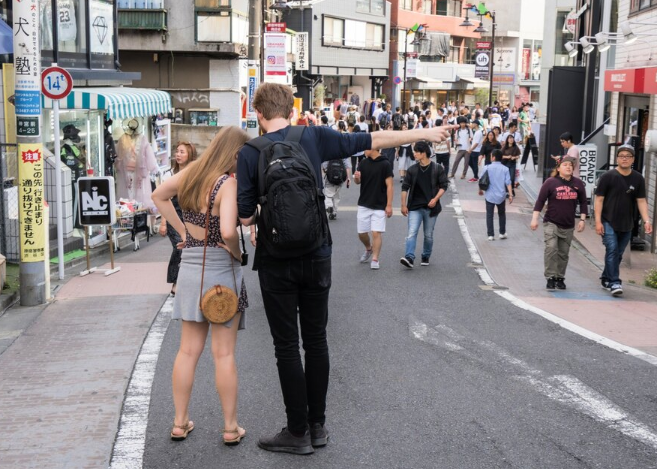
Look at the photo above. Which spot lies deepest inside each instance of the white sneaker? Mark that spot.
(374, 265)
(366, 256)
(503, 236)
(491, 238)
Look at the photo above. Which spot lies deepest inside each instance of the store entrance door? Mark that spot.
(636, 114)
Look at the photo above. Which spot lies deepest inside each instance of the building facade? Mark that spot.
(348, 44)
(633, 86)
(193, 51)
(442, 53)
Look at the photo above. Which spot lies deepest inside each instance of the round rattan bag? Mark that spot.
(219, 304)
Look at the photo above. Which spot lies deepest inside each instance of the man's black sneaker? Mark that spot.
(425, 261)
(605, 284)
(406, 261)
(616, 289)
(551, 284)
(286, 442)
(560, 284)
(318, 435)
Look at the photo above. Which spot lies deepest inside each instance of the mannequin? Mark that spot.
(135, 162)
(110, 148)
(72, 155)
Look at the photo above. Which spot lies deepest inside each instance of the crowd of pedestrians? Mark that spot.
(286, 187)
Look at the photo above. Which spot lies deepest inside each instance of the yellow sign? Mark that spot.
(253, 71)
(31, 199)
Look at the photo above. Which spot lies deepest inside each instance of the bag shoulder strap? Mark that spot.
(295, 133)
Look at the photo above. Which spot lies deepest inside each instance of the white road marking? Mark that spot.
(485, 276)
(564, 389)
(128, 451)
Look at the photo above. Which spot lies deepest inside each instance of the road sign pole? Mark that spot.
(58, 190)
(56, 83)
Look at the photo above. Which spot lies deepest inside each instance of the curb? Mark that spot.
(487, 279)
(7, 301)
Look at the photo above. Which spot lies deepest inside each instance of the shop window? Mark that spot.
(427, 7)
(221, 26)
(562, 36)
(532, 52)
(638, 5)
(212, 4)
(406, 4)
(376, 7)
(333, 31)
(449, 8)
(374, 36)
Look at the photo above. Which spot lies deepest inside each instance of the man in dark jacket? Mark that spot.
(424, 185)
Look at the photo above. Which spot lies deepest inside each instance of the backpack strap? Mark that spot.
(295, 133)
(259, 143)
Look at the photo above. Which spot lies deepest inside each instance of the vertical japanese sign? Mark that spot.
(302, 51)
(30, 198)
(27, 64)
(411, 68)
(251, 118)
(526, 63)
(275, 55)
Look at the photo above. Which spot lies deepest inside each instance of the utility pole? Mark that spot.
(255, 66)
(32, 222)
(492, 62)
(405, 58)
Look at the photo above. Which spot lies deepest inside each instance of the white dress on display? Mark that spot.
(134, 165)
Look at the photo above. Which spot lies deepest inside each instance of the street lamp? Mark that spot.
(416, 42)
(481, 29)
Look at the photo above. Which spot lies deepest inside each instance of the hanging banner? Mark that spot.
(102, 27)
(30, 196)
(302, 51)
(505, 59)
(482, 64)
(27, 60)
(251, 118)
(526, 63)
(275, 55)
(411, 68)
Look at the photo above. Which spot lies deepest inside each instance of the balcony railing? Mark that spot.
(146, 20)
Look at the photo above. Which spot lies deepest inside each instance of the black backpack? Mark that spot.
(336, 172)
(384, 120)
(351, 118)
(484, 181)
(292, 217)
(411, 120)
(397, 121)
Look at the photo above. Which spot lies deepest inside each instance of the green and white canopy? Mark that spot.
(120, 102)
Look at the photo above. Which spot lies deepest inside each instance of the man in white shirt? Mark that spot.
(377, 112)
(363, 125)
(475, 148)
(513, 130)
(463, 137)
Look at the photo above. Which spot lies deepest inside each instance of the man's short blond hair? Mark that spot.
(273, 100)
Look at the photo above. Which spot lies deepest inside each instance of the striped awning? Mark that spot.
(120, 102)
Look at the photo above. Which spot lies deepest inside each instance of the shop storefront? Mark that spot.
(634, 95)
(119, 132)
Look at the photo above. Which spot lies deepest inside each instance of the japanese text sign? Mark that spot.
(31, 200)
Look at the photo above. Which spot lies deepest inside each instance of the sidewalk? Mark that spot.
(64, 377)
(517, 264)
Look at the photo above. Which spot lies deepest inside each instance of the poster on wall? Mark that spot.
(102, 27)
(526, 63)
(27, 60)
(275, 55)
(302, 51)
(505, 59)
(31, 197)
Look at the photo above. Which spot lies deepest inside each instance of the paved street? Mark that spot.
(428, 370)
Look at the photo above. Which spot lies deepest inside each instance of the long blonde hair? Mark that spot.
(216, 160)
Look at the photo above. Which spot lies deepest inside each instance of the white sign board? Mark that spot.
(102, 27)
(275, 55)
(588, 159)
(302, 51)
(411, 68)
(505, 59)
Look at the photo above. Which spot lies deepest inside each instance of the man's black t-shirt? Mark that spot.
(373, 188)
(620, 193)
(422, 193)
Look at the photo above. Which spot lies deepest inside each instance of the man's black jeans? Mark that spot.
(490, 213)
(289, 285)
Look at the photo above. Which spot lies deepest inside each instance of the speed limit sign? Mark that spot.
(56, 82)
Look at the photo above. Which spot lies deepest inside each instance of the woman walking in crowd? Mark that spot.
(404, 157)
(510, 156)
(513, 116)
(185, 154)
(207, 192)
(442, 151)
(490, 144)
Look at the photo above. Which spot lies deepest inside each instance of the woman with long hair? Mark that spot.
(207, 188)
(185, 154)
(490, 144)
(513, 116)
(510, 156)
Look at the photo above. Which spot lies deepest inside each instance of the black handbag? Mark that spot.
(484, 181)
